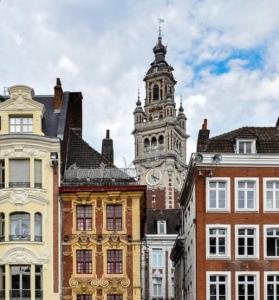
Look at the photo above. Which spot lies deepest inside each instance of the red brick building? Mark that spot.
(228, 247)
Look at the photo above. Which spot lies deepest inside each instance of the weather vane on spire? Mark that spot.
(160, 20)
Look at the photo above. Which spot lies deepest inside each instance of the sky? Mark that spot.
(225, 56)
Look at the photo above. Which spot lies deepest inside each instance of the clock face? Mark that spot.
(153, 176)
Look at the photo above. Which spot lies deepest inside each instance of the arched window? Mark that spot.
(2, 227)
(153, 143)
(19, 226)
(146, 145)
(161, 140)
(155, 92)
(38, 227)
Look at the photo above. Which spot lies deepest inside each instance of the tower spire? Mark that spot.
(138, 102)
(160, 21)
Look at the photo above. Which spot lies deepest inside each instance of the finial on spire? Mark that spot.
(160, 20)
(138, 102)
(181, 109)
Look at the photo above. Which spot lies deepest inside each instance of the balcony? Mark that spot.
(19, 184)
(2, 294)
(20, 294)
(38, 238)
(37, 185)
(20, 237)
(38, 294)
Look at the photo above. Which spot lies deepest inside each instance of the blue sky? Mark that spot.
(225, 55)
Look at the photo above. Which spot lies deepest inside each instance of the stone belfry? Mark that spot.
(160, 134)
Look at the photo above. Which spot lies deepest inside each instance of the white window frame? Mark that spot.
(218, 273)
(22, 119)
(269, 226)
(265, 180)
(257, 288)
(162, 258)
(161, 289)
(227, 241)
(253, 146)
(228, 193)
(256, 241)
(269, 273)
(160, 222)
(236, 181)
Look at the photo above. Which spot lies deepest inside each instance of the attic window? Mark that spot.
(161, 227)
(246, 146)
(21, 124)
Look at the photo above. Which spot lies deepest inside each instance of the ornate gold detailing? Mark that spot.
(83, 285)
(116, 285)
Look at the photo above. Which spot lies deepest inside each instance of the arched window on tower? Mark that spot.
(155, 92)
(161, 142)
(146, 145)
(153, 143)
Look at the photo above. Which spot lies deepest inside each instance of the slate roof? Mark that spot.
(172, 217)
(267, 140)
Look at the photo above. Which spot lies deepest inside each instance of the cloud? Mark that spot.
(225, 55)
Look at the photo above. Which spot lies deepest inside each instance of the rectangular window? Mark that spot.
(115, 297)
(84, 261)
(272, 241)
(38, 173)
(271, 285)
(114, 261)
(271, 194)
(246, 146)
(218, 285)
(157, 258)
(84, 297)
(19, 173)
(247, 286)
(218, 194)
(2, 173)
(2, 282)
(38, 283)
(114, 217)
(20, 282)
(21, 124)
(247, 241)
(84, 217)
(161, 227)
(218, 241)
(157, 286)
(246, 194)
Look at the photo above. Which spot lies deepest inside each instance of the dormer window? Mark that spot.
(246, 146)
(161, 227)
(21, 124)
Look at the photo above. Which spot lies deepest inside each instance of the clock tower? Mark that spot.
(160, 135)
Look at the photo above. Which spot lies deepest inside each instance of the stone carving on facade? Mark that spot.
(83, 285)
(21, 151)
(20, 255)
(22, 196)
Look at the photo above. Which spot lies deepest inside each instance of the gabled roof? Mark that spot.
(267, 140)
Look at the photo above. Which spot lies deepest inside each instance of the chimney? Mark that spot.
(58, 95)
(203, 137)
(204, 125)
(107, 148)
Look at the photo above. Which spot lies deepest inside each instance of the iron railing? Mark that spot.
(19, 184)
(20, 237)
(38, 294)
(38, 238)
(20, 294)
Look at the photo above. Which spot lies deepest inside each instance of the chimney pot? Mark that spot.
(58, 95)
(107, 134)
(107, 148)
(204, 125)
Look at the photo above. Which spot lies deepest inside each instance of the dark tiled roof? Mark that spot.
(172, 217)
(267, 140)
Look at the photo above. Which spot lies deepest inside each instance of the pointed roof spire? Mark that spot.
(181, 109)
(160, 50)
(138, 102)
(160, 28)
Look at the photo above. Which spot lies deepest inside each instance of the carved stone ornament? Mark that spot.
(21, 151)
(83, 285)
(20, 255)
(23, 196)
(116, 285)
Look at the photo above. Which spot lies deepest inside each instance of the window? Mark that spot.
(19, 173)
(20, 282)
(38, 173)
(218, 285)
(271, 241)
(247, 241)
(271, 285)
(2, 227)
(153, 143)
(84, 217)
(218, 194)
(247, 286)
(2, 282)
(155, 92)
(246, 194)
(84, 261)
(114, 261)
(157, 258)
(84, 297)
(20, 226)
(146, 145)
(161, 140)
(115, 297)
(246, 146)
(114, 217)
(38, 283)
(161, 227)
(38, 227)
(2, 174)
(271, 194)
(21, 124)
(218, 241)
(157, 286)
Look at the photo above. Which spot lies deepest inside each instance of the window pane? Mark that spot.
(20, 172)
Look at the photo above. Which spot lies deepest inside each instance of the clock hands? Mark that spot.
(155, 177)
